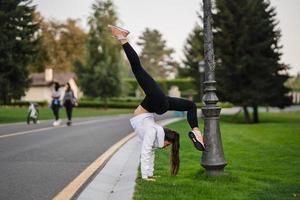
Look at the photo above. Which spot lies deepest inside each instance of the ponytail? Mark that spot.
(174, 138)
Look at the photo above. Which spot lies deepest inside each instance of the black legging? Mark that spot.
(155, 100)
(55, 109)
(69, 109)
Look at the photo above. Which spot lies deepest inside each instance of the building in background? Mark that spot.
(42, 85)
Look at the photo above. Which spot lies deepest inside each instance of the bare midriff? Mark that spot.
(140, 110)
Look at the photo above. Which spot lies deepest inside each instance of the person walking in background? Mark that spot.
(33, 113)
(69, 102)
(55, 104)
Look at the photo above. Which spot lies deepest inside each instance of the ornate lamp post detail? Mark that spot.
(213, 158)
(201, 68)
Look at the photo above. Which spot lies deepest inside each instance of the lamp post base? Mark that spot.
(214, 170)
(213, 158)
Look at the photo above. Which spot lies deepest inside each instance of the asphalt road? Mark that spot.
(40, 160)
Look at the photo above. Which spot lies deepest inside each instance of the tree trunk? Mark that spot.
(255, 114)
(246, 115)
(5, 100)
(105, 104)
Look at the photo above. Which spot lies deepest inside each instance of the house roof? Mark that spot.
(38, 79)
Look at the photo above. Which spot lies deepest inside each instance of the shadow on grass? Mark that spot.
(224, 177)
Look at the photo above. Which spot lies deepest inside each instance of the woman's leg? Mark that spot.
(154, 94)
(68, 111)
(155, 100)
(179, 104)
(55, 113)
(68, 106)
(71, 111)
(150, 87)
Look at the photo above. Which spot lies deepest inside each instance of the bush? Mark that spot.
(110, 104)
(183, 84)
(221, 104)
(129, 102)
(225, 104)
(26, 103)
(126, 99)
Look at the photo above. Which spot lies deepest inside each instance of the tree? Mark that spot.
(156, 56)
(62, 43)
(99, 76)
(249, 72)
(18, 42)
(193, 52)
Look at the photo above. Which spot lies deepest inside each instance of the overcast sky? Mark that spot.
(175, 20)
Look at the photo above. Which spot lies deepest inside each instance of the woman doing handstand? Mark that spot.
(155, 101)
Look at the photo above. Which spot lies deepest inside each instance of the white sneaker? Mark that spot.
(55, 123)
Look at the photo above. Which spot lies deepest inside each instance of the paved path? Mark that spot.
(37, 161)
(116, 180)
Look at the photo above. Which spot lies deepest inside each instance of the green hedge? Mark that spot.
(131, 104)
(183, 84)
(26, 103)
(126, 99)
(122, 102)
(221, 104)
(225, 104)
(110, 104)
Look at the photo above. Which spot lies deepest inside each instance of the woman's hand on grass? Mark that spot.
(149, 179)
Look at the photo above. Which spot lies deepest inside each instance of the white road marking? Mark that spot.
(53, 127)
(70, 190)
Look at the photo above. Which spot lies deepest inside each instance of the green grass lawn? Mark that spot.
(263, 163)
(19, 114)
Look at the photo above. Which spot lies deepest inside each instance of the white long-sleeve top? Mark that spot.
(152, 136)
(56, 94)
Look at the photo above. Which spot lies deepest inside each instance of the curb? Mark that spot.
(83, 178)
(116, 180)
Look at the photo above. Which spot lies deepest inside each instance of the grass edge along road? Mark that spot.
(19, 114)
(263, 163)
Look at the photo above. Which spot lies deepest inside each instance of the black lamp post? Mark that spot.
(213, 158)
(201, 68)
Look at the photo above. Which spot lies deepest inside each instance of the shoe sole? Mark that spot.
(122, 29)
(196, 143)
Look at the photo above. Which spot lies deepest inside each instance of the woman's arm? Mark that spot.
(147, 158)
(151, 167)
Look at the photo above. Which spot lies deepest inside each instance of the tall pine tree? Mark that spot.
(156, 56)
(99, 76)
(193, 53)
(249, 72)
(18, 45)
